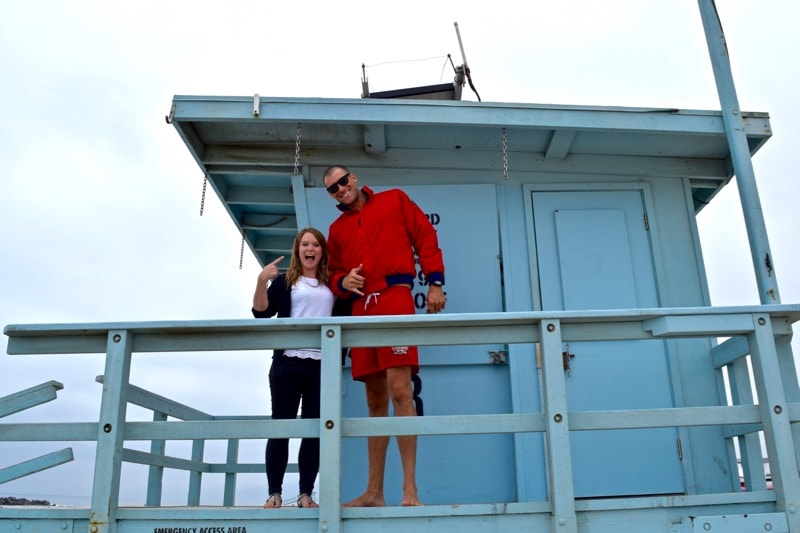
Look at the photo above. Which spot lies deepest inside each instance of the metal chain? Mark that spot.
(241, 252)
(297, 151)
(505, 156)
(203, 198)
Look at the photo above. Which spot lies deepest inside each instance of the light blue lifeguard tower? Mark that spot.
(580, 379)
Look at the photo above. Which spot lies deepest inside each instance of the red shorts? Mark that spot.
(394, 300)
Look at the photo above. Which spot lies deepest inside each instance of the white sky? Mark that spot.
(99, 211)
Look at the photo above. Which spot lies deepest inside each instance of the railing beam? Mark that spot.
(24, 399)
(38, 464)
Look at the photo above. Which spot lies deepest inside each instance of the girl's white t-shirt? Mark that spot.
(310, 298)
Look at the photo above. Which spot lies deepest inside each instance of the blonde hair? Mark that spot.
(295, 269)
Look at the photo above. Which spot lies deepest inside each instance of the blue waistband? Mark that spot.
(400, 279)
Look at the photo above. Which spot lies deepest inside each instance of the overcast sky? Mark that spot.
(99, 211)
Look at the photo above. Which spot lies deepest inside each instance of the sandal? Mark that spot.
(274, 501)
(304, 500)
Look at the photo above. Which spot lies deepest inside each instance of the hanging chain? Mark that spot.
(241, 252)
(203, 198)
(505, 156)
(297, 151)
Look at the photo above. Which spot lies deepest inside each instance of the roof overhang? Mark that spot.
(248, 147)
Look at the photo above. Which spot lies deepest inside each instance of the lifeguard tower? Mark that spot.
(580, 379)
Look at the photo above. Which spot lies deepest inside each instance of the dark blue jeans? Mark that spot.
(293, 380)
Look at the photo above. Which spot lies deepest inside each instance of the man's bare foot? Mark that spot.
(367, 500)
(410, 497)
(411, 500)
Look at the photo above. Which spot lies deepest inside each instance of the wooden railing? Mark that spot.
(761, 332)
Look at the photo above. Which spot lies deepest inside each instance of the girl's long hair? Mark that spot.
(295, 269)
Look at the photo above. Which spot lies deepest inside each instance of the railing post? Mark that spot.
(111, 432)
(330, 429)
(775, 419)
(196, 476)
(749, 444)
(232, 457)
(788, 369)
(559, 456)
(155, 474)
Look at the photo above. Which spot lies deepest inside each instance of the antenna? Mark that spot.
(364, 82)
(465, 66)
(461, 45)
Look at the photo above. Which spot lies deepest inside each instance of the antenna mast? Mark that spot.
(461, 46)
(464, 69)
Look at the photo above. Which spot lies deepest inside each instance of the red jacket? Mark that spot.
(383, 236)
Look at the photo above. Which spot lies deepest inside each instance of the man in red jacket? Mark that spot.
(371, 247)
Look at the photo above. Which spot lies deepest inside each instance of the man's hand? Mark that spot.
(354, 281)
(436, 299)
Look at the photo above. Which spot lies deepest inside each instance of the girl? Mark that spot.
(295, 374)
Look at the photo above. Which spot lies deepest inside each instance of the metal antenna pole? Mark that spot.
(465, 67)
(461, 46)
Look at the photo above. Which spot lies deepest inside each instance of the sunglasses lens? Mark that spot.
(341, 182)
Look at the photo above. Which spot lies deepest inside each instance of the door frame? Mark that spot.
(648, 207)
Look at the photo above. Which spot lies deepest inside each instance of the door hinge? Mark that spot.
(646, 223)
(680, 450)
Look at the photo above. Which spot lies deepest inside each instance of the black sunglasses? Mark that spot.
(341, 182)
